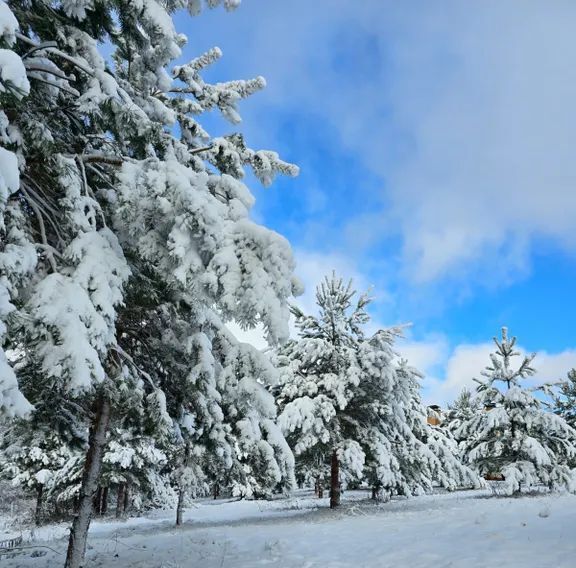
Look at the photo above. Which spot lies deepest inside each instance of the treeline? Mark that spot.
(339, 401)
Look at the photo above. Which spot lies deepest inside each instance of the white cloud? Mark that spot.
(429, 354)
(553, 366)
(465, 362)
(465, 110)
(492, 167)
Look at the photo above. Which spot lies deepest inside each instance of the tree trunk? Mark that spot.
(97, 440)
(38, 512)
(334, 481)
(120, 500)
(216, 490)
(104, 504)
(98, 502)
(375, 493)
(126, 507)
(320, 487)
(57, 509)
(180, 507)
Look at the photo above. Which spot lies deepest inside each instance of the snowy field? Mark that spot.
(462, 529)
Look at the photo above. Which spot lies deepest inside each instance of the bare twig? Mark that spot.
(100, 174)
(83, 172)
(88, 189)
(48, 218)
(33, 546)
(40, 195)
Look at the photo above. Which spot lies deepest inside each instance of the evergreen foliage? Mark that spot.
(126, 245)
(460, 411)
(346, 392)
(515, 436)
(565, 400)
(564, 404)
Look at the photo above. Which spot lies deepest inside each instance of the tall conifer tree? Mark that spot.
(114, 228)
(348, 403)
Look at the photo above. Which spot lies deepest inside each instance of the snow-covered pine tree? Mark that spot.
(346, 400)
(57, 427)
(262, 460)
(461, 410)
(213, 388)
(516, 436)
(321, 373)
(63, 316)
(109, 200)
(564, 404)
(424, 455)
(35, 463)
(565, 399)
(134, 465)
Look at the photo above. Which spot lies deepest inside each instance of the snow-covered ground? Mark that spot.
(462, 529)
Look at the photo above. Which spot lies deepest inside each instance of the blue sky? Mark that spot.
(436, 142)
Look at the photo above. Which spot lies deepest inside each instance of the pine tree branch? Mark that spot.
(45, 69)
(100, 174)
(116, 160)
(39, 47)
(68, 90)
(199, 150)
(49, 248)
(57, 52)
(83, 172)
(49, 254)
(40, 197)
(101, 159)
(88, 190)
(45, 207)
